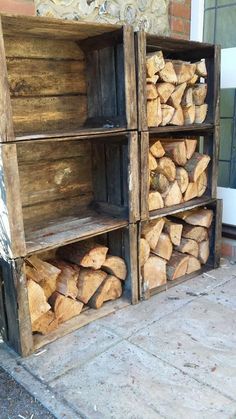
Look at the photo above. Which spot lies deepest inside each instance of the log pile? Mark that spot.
(177, 172)
(82, 274)
(176, 91)
(172, 247)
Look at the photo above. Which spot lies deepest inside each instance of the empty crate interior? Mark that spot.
(64, 77)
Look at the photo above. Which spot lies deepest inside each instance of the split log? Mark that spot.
(164, 247)
(176, 97)
(184, 70)
(154, 272)
(177, 266)
(173, 196)
(152, 79)
(88, 283)
(196, 233)
(178, 118)
(167, 114)
(159, 182)
(191, 192)
(151, 91)
(155, 201)
(200, 217)
(110, 289)
(187, 99)
(144, 251)
(67, 279)
(193, 265)
(64, 307)
(200, 113)
(176, 150)
(152, 231)
(42, 272)
(190, 147)
(114, 265)
(193, 80)
(189, 114)
(197, 165)
(167, 167)
(182, 178)
(45, 324)
(167, 74)
(202, 184)
(86, 253)
(152, 163)
(199, 93)
(164, 90)
(174, 230)
(156, 149)
(204, 251)
(201, 69)
(154, 63)
(154, 114)
(37, 301)
(188, 246)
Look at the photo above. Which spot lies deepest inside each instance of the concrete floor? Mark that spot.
(173, 356)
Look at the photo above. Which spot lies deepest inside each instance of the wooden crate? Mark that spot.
(57, 191)
(64, 78)
(15, 323)
(208, 143)
(215, 248)
(178, 49)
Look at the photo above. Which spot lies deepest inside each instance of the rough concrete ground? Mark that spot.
(173, 356)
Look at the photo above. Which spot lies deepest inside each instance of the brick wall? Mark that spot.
(23, 7)
(180, 16)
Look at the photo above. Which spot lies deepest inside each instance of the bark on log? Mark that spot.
(155, 201)
(152, 163)
(156, 149)
(167, 114)
(173, 196)
(110, 289)
(197, 165)
(204, 251)
(37, 301)
(190, 147)
(176, 97)
(154, 272)
(64, 307)
(200, 113)
(166, 167)
(174, 230)
(154, 63)
(167, 74)
(191, 192)
(86, 253)
(151, 232)
(182, 178)
(159, 182)
(164, 90)
(193, 265)
(189, 114)
(151, 91)
(178, 117)
(176, 150)
(196, 233)
(88, 283)
(177, 266)
(45, 324)
(164, 247)
(199, 93)
(188, 246)
(114, 265)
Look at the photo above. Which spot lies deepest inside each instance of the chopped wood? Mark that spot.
(174, 230)
(199, 93)
(188, 246)
(204, 251)
(154, 63)
(86, 253)
(167, 114)
(196, 233)
(178, 117)
(176, 150)
(167, 167)
(115, 265)
(177, 266)
(152, 163)
(168, 74)
(202, 183)
(154, 272)
(189, 114)
(64, 307)
(184, 71)
(159, 182)
(156, 148)
(200, 113)
(144, 251)
(88, 283)
(38, 270)
(174, 195)
(197, 165)
(154, 114)
(110, 289)
(187, 99)
(151, 231)
(37, 301)
(176, 97)
(199, 217)
(152, 79)
(67, 279)
(201, 69)
(155, 201)
(164, 90)
(190, 147)
(193, 265)
(45, 324)
(164, 247)
(151, 91)
(193, 80)
(182, 178)
(191, 192)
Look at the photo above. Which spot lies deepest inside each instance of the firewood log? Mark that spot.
(154, 272)
(164, 90)
(110, 289)
(187, 99)
(174, 230)
(159, 182)
(67, 279)
(45, 324)
(176, 150)
(193, 80)
(154, 63)
(144, 251)
(188, 246)
(204, 251)
(167, 114)
(191, 192)
(200, 113)
(38, 270)
(167, 167)
(168, 74)
(152, 163)
(202, 184)
(154, 114)
(193, 265)
(199, 217)
(201, 69)
(178, 117)
(37, 301)
(114, 265)
(182, 178)
(64, 307)
(86, 253)
(88, 283)
(164, 247)
(189, 114)
(190, 147)
(177, 266)
(199, 93)
(196, 233)
(184, 70)
(197, 165)
(155, 201)
(174, 195)
(151, 232)
(156, 148)
(151, 91)
(152, 79)
(176, 97)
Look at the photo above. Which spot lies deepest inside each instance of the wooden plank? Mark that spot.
(104, 40)
(108, 81)
(130, 78)
(99, 172)
(133, 178)
(217, 233)
(144, 174)
(210, 147)
(94, 86)
(194, 203)
(140, 41)
(6, 126)
(130, 254)
(120, 80)
(113, 173)
(217, 67)
(3, 316)
(188, 129)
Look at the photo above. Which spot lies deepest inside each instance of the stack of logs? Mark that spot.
(177, 172)
(173, 247)
(176, 91)
(80, 274)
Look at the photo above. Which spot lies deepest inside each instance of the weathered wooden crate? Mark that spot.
(65, 77)
(178, 49)
(213, 262)
(15, 323)
(57, 191)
